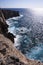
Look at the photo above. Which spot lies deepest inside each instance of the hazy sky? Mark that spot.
(21, 3)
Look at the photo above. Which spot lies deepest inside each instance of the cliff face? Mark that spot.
(4, 26)
(5, 14)
(9, 13)
(9, 55)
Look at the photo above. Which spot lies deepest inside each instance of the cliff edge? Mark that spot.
(9, 55)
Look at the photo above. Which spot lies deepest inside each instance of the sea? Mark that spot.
(28, 30)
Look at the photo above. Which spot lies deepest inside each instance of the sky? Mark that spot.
(21, 3)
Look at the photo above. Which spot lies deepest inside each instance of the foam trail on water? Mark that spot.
(16, 18)
(28, 29)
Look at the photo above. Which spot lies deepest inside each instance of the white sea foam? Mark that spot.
(8, 22)
(36, 52)
(16, 18)
(17, 40)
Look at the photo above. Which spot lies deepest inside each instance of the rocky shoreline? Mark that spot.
(9, 13)
(9, 55)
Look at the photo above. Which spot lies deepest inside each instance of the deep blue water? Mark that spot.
(28, 29)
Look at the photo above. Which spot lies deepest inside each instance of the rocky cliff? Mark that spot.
(9, 13)
(9, 55)
(4, 26)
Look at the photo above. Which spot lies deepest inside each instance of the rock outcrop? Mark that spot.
(4, 27)
(9, 13)
(9, 55)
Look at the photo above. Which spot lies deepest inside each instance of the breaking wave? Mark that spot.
(28, 30)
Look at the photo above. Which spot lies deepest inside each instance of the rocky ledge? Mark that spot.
(9, 55)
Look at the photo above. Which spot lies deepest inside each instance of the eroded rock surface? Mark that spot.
(7, 55)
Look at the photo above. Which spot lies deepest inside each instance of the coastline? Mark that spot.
(6, 42)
